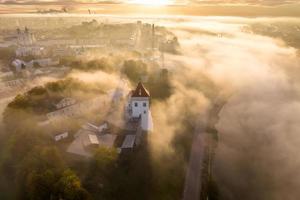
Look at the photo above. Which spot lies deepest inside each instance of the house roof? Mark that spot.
(128, 142)
(92, 139)
(107, 140)
(18, 62)
(66, 100)
(140, 91)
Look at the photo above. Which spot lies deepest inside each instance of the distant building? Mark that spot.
(23, 51)
(25, 38)
(46, 62)
(17, 83)
(124, 42)
(65, 103)
(18, 65)
(70, 109)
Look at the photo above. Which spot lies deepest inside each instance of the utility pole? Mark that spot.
(163, 56)
(153, 37)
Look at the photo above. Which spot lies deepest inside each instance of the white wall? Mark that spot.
(143, 111)
(147, 123)
(61, 136)
(139, 106)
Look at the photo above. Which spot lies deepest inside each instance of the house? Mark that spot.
(65, 112)
(46, 62)
(97, 129)
(103, 127)
(60, 136)
(18, 65)
(90, 141)
(65, 103)
(17, 83)
(67, 108)
(138, 107)
(87, 139)
(23, 51)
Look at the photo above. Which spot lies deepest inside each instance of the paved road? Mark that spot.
(193, 175)
(192, 187)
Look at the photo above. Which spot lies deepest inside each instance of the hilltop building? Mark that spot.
(138, 107)
(138, 122)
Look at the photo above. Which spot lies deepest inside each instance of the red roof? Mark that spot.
(140, 91)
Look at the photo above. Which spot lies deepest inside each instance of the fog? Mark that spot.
(256, 157)
(258, 128)
(257, 75)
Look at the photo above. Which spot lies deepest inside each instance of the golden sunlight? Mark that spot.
(153, 2)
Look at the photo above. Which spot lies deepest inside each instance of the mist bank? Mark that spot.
(258, 76)
(257, 150)
(243, 10)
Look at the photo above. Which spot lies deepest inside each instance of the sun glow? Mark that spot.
(153, 2)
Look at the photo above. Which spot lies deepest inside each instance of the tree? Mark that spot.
(40, 185)
(38, 90)
(69, 187)
(160, 87)
(103, 158)
(7, 55)
(134, 70)
(18, 144)
(20, 101)
(36, 65)
(38, 172)
(101, 170)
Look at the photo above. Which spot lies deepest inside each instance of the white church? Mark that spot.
(138, 107)
(25, 38)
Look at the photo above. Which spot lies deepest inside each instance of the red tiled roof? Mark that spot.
(140, 91)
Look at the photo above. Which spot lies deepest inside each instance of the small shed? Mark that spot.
(91, 141)
(60, 136)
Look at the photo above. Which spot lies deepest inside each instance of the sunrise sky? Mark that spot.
(184, 7)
